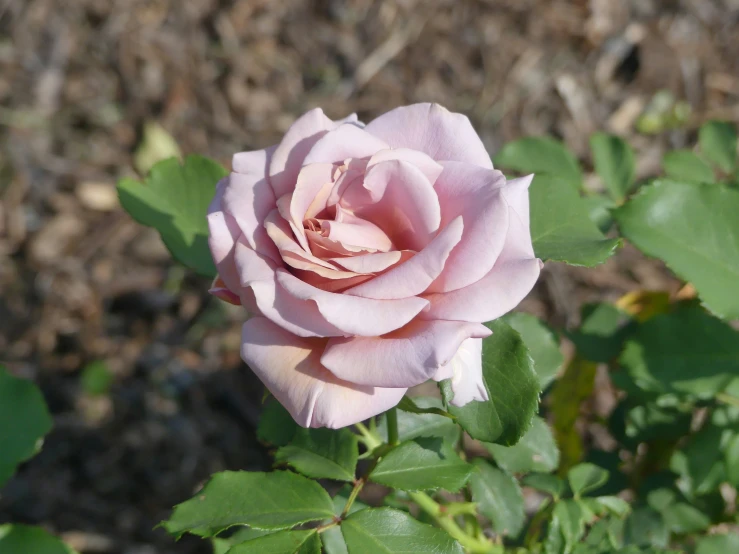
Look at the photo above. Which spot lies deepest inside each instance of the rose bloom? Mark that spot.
(369, 258)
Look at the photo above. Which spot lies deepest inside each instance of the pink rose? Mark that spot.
(369, 258)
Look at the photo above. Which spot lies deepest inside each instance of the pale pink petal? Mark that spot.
(430, 168)
(290, 368)
(220, 290)
(324, 247)
(342, 143)
(430, 128)
(255, 162)
(476, 194)
(289, 155)
(354, 315)
(281, 234)
(355, 233)
(313, 187)
(401, 201)
(516, 193)
(373, 263)
(414, 276)
(466, 369)
(332, 284)
(404, 358)
(222, 237)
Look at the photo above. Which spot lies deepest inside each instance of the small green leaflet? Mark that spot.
(24, 420)
(276, 425)
(282, 542)
(389, 531)
(411, 425)
(718, 142)
(614, 161)
(512, 387)
(27, 539)
(322, 453)
(561, 228)
(585, 478)
(536, 451)
(499, 498)
(541, 155)
(277, 500)
(174, 200)
(425, 463)
(408, 405)
(542, 343)
(684, 165)
(718, 544)
(550, 484)
(694, 229)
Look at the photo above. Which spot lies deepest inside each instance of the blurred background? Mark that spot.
(140, 369)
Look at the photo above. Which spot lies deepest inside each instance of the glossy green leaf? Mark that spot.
(411, 426)
(550, 484)
(602, 332)
(499, 498)
(599, 209)
(512, 387)
(24, 420)
(718, 142)
(536, 451)
(684, 165)
(388, 531)
(276, 500)
(322, 453)
(27, 539)
(541, 342)
(541, 155)
(585, 478)
(694, 229)
(561, 228)
(276, 425)
(174, 200)
(686, 352)
(614, 162)
(425, 463)
(282, 542)
(222, 544)
(718, 544)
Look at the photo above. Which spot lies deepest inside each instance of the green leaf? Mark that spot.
(322, 453)
(687, 352)
(499, 498)
(411, 426)
(599, 209)
(646, 527)
(221, 545)
(276, 500)
(157, 145)
(650, 421)
(541, 342)
(174, 200)
(718, 544)
(550, 484)
(422, 464)
(570, 520)
(512, 387)
(536, 451)
(24, 420)
(27, 539)
(700, 462)
(694, 229)
(617, 506)
(586, 477)
(276, 425)
(408, 405)
(684, 165)
(388, 531)
(541, 155)
(732, 460)
(614, 161)
(602, 332)
(718, 140)
(561, 228)
(282, 542)
(683, 518)
(333, 541)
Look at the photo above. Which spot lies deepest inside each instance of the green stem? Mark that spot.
(445, 521)
(353, 496)
(371, 441)
(392, 426)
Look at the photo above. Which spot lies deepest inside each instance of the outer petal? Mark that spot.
(516, 193)
(290, 368)
(289, 155)
(424, 162)
(400, 199)
(477, 195)
(345, 142)
(414, 276)
(466, 366)
(430, 128)
(352, 314)
(404, 358)
(222, 237)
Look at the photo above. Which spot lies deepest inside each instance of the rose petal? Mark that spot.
(223, 234)
(290, 368)
(477, 195)
(342, 143)
(404, 358)
(430, 168)
(414, 276)
(354, 315)
(516, 193)
(402, 201)
(373, 263)
(280, 233)
(430, 128)
(466, 369)
(219, 289)
(355, 233)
